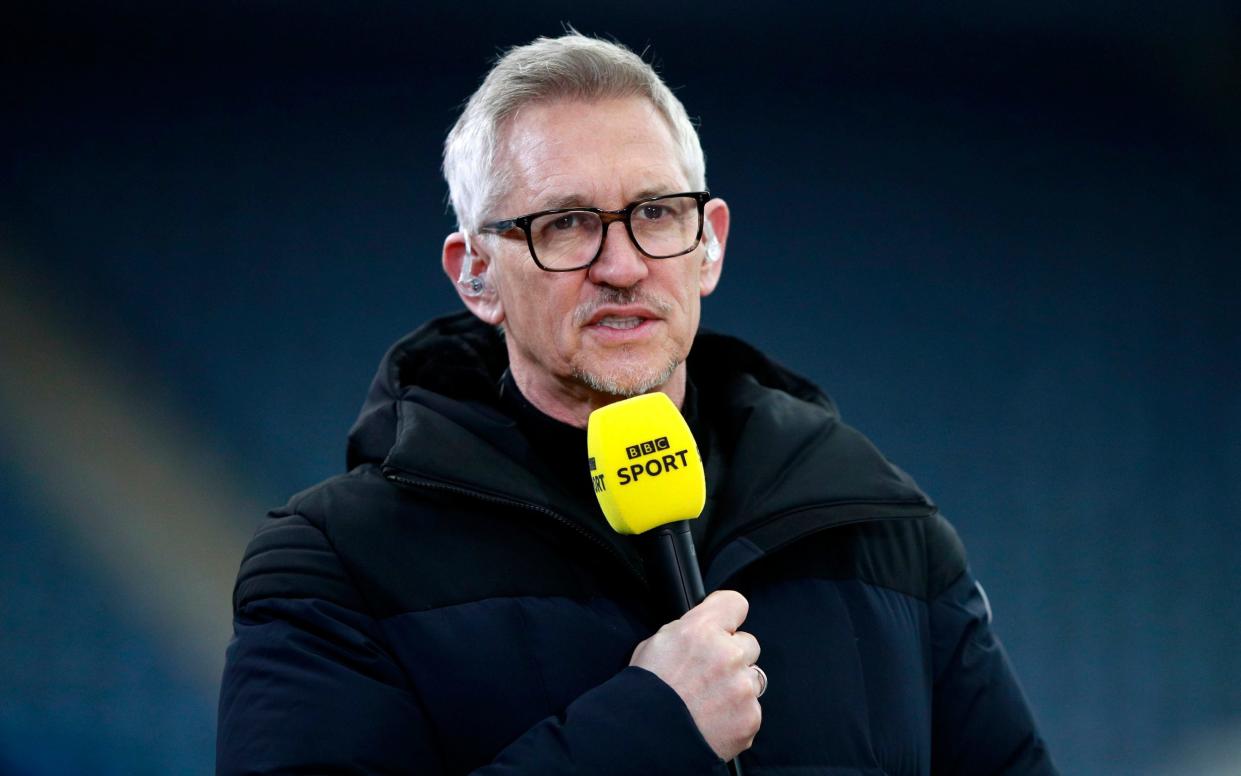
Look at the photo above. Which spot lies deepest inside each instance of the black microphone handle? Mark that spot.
(672, 569)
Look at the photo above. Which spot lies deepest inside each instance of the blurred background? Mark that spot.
(1003, 238)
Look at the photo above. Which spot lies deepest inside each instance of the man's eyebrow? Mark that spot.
(565, 200)
(655, 191)
(579, 200)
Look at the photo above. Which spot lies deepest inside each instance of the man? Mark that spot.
(455, 603)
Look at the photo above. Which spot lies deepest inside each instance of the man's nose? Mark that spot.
(620, 263)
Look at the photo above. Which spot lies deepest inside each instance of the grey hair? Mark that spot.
(572, 66)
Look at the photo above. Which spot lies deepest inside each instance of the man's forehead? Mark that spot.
(578, 154)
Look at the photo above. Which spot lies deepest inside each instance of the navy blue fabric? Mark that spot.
(973, 684)
(446, 608)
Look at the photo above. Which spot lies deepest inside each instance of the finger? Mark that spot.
(725, 608)
(760, 680)
(750, 649)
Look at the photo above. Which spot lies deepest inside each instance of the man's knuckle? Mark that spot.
(743, 686)
(704, 630)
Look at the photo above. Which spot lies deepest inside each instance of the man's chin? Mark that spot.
(625, 381)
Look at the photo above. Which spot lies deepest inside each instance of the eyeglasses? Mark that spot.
(569, 239)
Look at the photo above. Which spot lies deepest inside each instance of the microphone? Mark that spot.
(648, 477)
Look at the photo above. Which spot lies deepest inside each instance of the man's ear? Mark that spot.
(714, 238)
(468, 266)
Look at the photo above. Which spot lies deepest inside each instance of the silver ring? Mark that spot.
(762, 681)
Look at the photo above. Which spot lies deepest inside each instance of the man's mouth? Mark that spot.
(616, 322)
(621, 310)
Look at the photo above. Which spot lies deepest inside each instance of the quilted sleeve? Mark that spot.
(982, 724)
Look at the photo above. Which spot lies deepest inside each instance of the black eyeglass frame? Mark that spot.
(607, 217)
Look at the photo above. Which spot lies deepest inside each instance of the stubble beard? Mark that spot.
(628, 380)
(624, 379)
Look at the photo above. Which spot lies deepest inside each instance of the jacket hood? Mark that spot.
(780, 463)
(461, 357)
(457, 356)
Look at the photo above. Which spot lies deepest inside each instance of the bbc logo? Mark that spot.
(647, 448)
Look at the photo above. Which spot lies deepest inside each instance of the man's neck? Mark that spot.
(572, 402)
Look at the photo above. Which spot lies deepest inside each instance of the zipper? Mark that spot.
(416, 483)
(411, 482)
(903, 508)
(910, 509)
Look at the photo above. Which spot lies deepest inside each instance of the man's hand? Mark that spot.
(708, 662)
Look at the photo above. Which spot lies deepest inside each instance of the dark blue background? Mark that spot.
(1005, 241)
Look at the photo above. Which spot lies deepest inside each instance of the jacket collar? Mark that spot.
(781, 464)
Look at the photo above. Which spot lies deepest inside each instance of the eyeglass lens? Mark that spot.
(662, 227)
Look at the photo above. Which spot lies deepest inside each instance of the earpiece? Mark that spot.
(469, 283)
(713, 244)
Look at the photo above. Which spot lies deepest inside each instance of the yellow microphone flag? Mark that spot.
(644, 464)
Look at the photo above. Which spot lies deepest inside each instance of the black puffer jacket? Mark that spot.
(450, 605)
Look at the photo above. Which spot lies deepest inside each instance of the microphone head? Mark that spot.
(644, 464)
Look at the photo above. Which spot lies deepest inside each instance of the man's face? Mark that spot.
(624, 325)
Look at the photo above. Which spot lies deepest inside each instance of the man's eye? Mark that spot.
(652, 212)
(568, 221)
